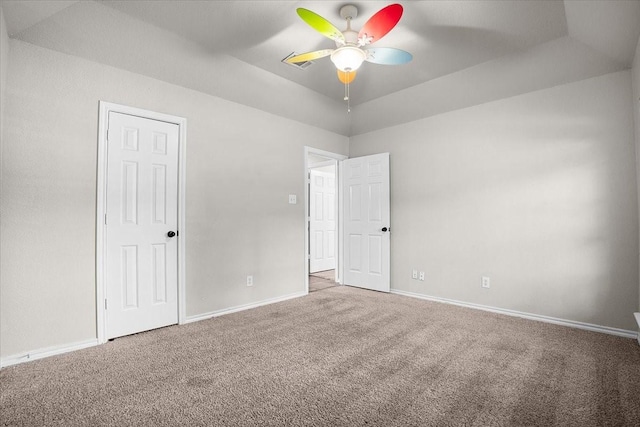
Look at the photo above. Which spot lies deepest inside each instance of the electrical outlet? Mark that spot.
(414, 274)
(486, 282)
(422, 276)
(249, 280)
(293, 199)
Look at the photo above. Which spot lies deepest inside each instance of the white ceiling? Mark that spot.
(465, 52)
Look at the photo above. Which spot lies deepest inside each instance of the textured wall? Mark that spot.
(635, 75)
(241, 165)
(4, 64)
(536, 191)
(4, 53)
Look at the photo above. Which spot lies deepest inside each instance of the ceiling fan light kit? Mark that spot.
(351, 46)
(348, 58)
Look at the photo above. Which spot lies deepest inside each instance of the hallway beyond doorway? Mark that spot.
(322, 280)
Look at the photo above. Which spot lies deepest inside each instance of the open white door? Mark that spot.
(322, 219)
(141, 225)
(367, 222)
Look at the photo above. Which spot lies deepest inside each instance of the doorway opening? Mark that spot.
(361, 212)
(322, 218)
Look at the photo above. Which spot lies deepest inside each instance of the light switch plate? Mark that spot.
(293, 199)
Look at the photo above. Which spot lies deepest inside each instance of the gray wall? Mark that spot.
(241, 165)
(4, 54)
(636, 117)
(4, 63)
(537, 191)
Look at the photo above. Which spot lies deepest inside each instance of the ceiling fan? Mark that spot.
(352, 48)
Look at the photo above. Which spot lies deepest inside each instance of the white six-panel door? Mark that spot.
(322, 223)
(142, 209)
(366, 222)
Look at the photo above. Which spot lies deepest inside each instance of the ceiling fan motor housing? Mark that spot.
(350, 38)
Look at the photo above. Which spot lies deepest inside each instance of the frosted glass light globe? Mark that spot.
(348, 58)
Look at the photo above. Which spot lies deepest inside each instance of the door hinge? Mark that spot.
(105, 219)
(107, 135)
(105, 303)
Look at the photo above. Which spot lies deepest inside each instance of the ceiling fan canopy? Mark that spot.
(352, 48)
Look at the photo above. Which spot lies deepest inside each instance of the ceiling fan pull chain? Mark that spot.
(346, 95)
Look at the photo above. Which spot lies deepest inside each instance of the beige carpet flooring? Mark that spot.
(342, 357)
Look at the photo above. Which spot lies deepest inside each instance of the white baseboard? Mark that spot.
(46, 352)
(547, 319)
(637, 316)
(61, 349)
(243, 307)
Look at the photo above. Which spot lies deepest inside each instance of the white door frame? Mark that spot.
(339, 260)
(101, 206)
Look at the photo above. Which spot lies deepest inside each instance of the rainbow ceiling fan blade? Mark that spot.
(380, 24)
(321, 25)
(387, 56)
(310, 56)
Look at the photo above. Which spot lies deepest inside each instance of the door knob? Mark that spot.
(171, 233)
(385, 229)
